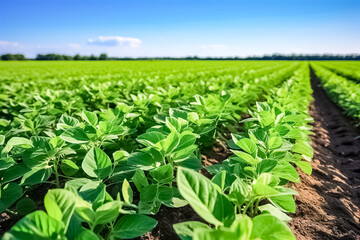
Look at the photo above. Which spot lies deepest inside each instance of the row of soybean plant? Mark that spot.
(343, 92)
(247, 197)
(349, 70)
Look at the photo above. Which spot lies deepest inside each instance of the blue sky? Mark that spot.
(179, 28)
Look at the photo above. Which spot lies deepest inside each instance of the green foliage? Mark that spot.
(344, 92)
(65, 212)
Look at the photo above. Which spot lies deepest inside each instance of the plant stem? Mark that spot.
(257, 206)
(56, 173)
(246, 208)
(108, 235)
(9, 211)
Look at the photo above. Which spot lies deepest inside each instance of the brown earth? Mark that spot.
(328, 201)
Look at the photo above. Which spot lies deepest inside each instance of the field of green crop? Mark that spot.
(94, 150)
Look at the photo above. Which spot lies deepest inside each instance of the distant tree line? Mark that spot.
(103, 56)
(297, 57)
(14, 57)
(77, 57)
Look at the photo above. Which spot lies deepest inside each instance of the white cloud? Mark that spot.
(9, 44)
(115, 41)
(214, 46)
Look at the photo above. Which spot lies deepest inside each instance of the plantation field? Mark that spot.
(179, 150)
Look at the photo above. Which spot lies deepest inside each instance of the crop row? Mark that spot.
(348, 71)
(252, 180)
(342, 91)
(109, 192)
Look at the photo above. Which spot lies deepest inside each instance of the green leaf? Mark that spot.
(294, 134)
(120, 156)
(19, 141)
(66, 122)
(247, 145)
(165, 194)
(246, 157)
(263, 190)
(150, 138)
(282, 129)
(97, 164)
(14, 172)
(242, 226)
(262, 106)
(176, 200)
(75, 184)
(141, 160)
(163, 174)
(186, 141)
(265, 118)
(205, 198)
(303, 148)
(267, 179)
(274, 142)
(219, 179)
(173, 124)
(269, 208)
(170, 143)
(225, 96)
(86, 234)
(75, 135)
(191, 162)
(68, 167)
(6, 162)
(266, 166)
(35, 176)
(75, 228)
(266, 226)
(238, 191)
(132, 226)
(90, 118)
(84, 211)
(287, 171)
(149, 193)
(25, 206)
(293, 118)
(36, 226)
(107, 213)
(214, 234)
(35, 157)
(285, 202)
(9, 195)
(177, 113)
(60, 205)
(93, 191)
(185, 230)
(183, 153)
(304, 166)
(139, 179)
(127, 192)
